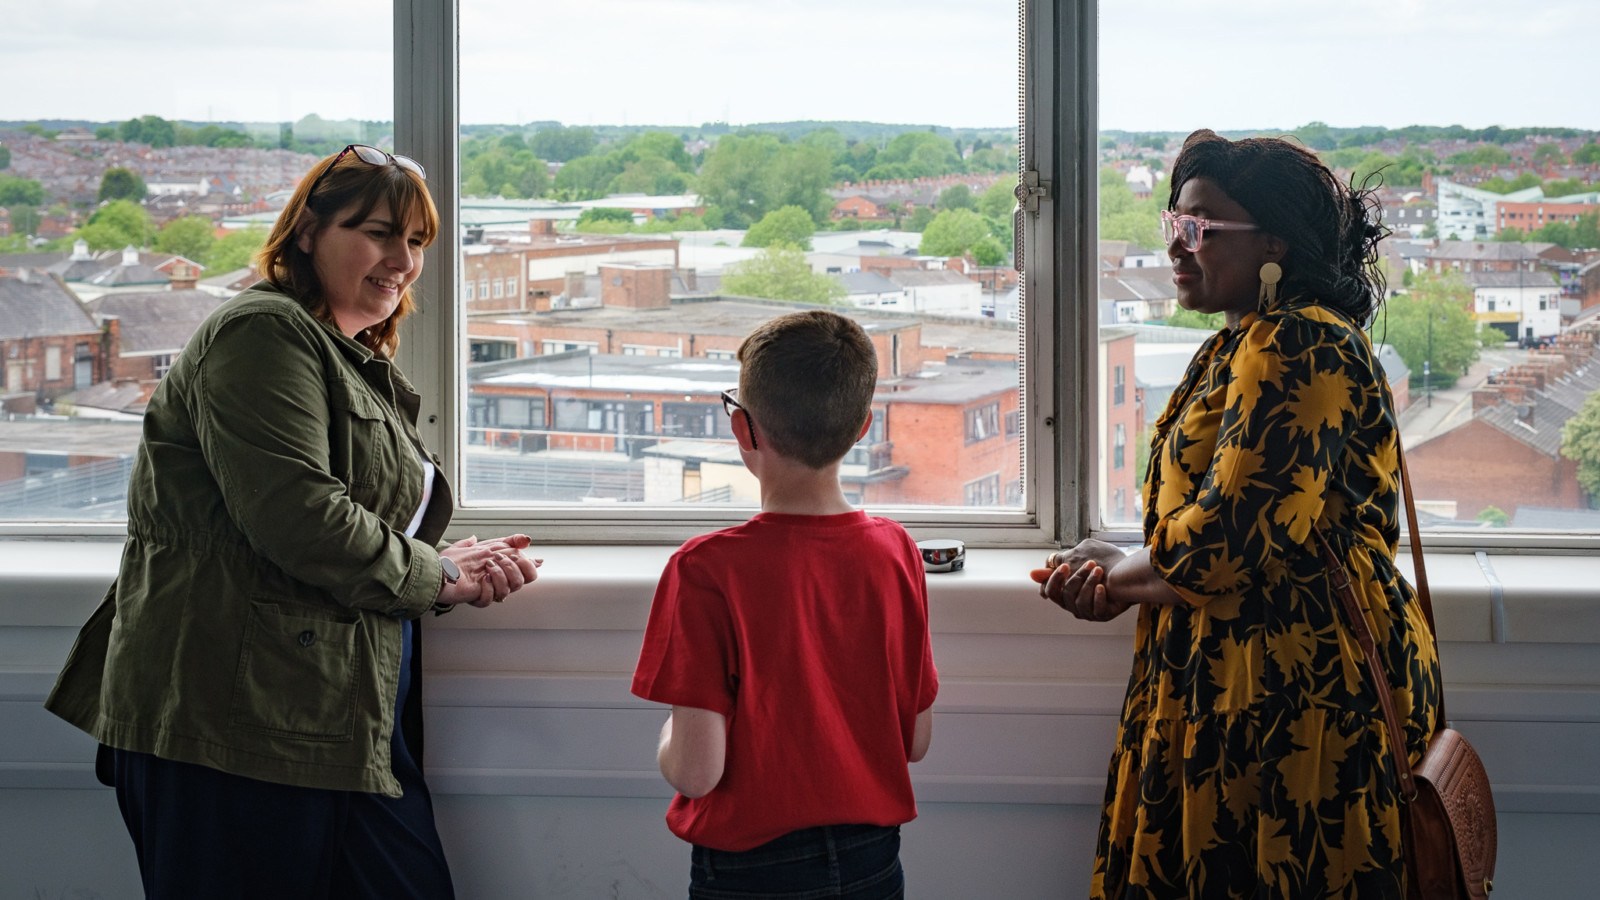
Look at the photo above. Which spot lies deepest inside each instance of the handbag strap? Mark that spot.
(1416, 561)
(1340, 579)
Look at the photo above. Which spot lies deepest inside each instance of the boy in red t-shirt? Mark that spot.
(794, 648)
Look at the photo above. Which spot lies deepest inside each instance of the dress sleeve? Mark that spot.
(1294, 386)
(689, 655)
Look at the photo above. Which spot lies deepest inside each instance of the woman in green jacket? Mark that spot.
(253, 666)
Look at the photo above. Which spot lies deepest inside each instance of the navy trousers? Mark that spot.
(849, 862)
(201, 832)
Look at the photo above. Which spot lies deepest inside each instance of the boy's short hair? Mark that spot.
(807, 378)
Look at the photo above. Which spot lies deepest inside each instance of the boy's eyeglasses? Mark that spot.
(1188, 230)
(372, 156)
(730, 403)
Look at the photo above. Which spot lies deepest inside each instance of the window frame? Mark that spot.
(1057, 337)
(433, 350)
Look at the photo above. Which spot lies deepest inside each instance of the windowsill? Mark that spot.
(1542, 598)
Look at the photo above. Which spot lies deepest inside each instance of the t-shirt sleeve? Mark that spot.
(688, 657)
(928, 677)
(1291, 404)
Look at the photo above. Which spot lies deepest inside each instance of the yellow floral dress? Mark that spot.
(1252, 758)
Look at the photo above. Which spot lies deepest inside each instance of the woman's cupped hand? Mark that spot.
(1075, 580)
(490, 570)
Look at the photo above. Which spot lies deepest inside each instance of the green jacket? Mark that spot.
(255, 623)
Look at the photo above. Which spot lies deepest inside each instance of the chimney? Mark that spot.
(691, 279)
(185, 276)
(541, 226)
(572, 285)
(636, 286)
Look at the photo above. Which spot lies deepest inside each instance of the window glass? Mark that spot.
(1488, 338)
(137, 174)
(649, 223)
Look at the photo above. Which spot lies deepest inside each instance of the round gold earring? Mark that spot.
(1271, 274)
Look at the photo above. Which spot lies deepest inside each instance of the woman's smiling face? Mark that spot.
(1223, 275)
(364, 268)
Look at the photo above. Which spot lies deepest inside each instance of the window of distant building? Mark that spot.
(983, 422)
(982, 492)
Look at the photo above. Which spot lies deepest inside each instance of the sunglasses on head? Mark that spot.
(372, 156)
(1189, 230)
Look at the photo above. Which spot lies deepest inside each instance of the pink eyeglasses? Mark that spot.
(1188, 230)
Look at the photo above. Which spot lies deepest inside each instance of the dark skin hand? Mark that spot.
(1097, 582)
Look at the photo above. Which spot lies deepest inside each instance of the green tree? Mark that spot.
(236, 249)
(916, 154)
(650, 175)
(152, 130)
(604, 220)
(920, 219)
(989, 252)
(5, 157)
(190, 236)
(1000, 199)
(118, 224)
(1587, 155)
(563, 144)
(37, 130)
(14, 190)
(24, 219)
(1432, 318)
(790, 225)
(1482, 156)
(781, 273)
(119, 183)
(952, 233)
(956, 196)
(1501, 186)
(751, 175)
(1188, 318)
(586, 178)
(1544, 154)
(1580, 442)
(105, 133)
(1494, 516)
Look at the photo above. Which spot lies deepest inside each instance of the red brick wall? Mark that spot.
(1478, 466)
(501, 264)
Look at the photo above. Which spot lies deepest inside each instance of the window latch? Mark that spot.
(1030, 190)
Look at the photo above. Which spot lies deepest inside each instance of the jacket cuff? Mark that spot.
(421, 588)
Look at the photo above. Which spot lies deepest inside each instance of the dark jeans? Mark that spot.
(852, 862)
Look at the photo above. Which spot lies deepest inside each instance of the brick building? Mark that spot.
(529, 272)
(638, 377)
(1528, 216)
(1509, 453)
(50, 344)
(152, 327)
(1121, 429)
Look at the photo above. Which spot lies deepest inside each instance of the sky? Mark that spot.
(1165, 65)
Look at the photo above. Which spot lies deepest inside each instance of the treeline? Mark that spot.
(311, 134)
(742, 176)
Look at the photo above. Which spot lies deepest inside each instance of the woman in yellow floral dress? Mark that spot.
(1252, 758)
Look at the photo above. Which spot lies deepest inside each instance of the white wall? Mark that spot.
(542, 762)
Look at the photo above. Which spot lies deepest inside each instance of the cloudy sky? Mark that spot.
(1169, 65)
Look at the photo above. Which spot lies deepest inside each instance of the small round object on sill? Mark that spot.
(943, 555)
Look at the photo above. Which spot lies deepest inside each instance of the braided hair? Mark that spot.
(1332, 230)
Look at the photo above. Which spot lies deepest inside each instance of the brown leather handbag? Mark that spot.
(1448, 826)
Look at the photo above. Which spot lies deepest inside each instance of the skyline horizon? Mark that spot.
(72, 121)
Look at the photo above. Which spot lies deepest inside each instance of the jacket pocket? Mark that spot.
(363, 443)
(298, 675)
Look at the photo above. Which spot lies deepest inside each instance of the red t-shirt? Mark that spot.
(810, 634)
